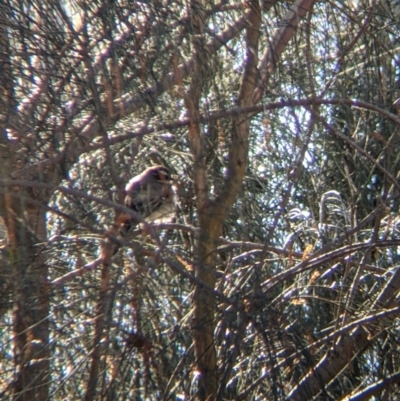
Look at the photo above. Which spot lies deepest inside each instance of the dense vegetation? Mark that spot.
(277, 277)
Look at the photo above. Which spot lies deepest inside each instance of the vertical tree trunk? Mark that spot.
(212, 214)
(25, 225)
(204, 301)
(31, 328)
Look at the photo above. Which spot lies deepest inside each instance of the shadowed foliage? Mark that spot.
(276, 275)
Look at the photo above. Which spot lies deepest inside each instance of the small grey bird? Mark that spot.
(150, 194)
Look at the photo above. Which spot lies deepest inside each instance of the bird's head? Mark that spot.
(161, 174)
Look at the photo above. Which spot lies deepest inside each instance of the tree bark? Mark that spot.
(212, 214)
(345, 349)
(25, 226)
(31, 326)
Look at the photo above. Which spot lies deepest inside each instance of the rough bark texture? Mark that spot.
(31, 306)
(25, 225)
(345, 349)
(101, 316)
(212, 214)
(204, 301)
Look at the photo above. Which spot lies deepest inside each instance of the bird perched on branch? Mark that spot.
(150, 194)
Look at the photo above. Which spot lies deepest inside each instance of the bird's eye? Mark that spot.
(162, 175)
(156, 175)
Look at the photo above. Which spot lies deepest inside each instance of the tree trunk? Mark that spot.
(212, 214)
(26, 228)
(31, 325)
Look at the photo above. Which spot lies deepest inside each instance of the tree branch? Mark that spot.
(288, 26)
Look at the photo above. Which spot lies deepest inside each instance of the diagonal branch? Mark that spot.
(239, 148)
(142, 130)
(346, 348)
(128, 104)
(288, 26)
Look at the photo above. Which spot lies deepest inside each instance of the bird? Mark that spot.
(149, 194)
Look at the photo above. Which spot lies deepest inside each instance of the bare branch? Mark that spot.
(289, 24)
